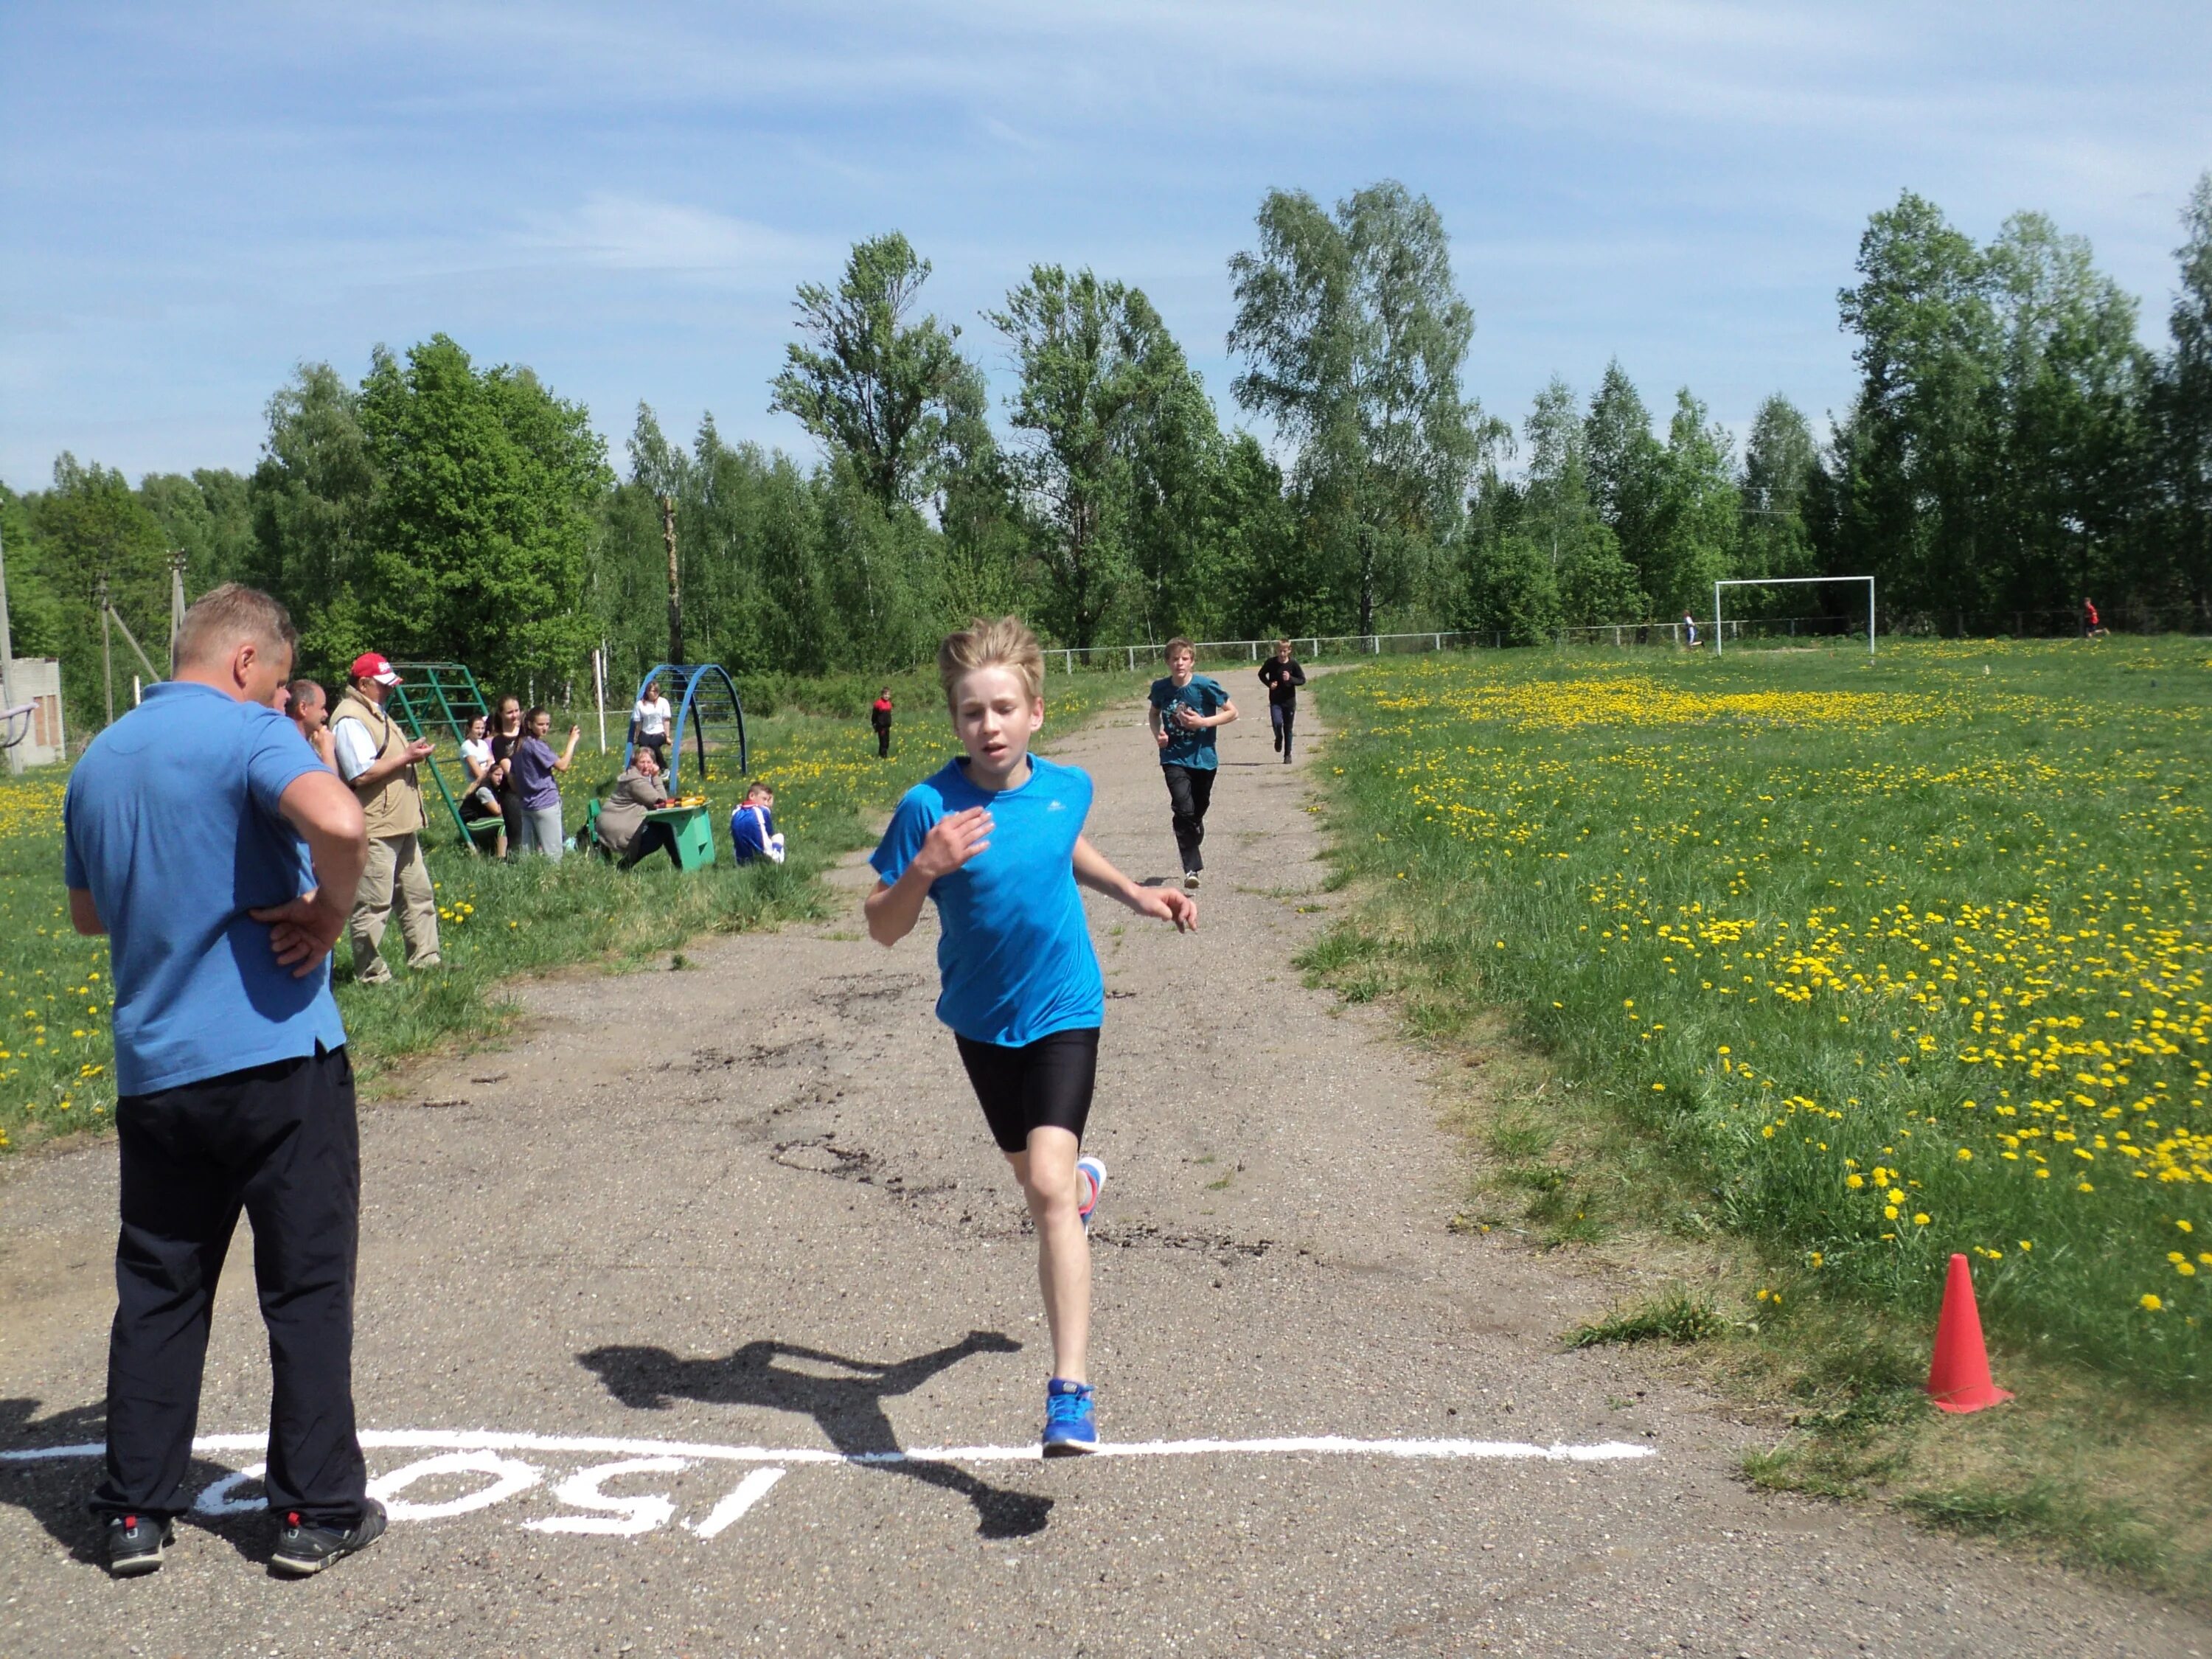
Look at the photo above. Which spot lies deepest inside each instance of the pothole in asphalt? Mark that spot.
(819, 1155)
(798, 1051)
(1140, 1236)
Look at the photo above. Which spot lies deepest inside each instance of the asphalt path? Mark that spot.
(702, 1319)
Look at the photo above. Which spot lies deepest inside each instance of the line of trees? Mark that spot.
(2013, 447)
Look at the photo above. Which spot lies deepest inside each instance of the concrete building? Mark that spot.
(33, 727)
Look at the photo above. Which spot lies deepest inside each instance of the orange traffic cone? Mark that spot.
(1958, 1377)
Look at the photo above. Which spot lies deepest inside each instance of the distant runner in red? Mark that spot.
(879, 716)
(2092, 628)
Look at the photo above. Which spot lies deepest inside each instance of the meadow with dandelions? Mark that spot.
(1892, 959)
(496, 922)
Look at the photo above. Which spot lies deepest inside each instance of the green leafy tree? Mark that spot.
(1509, 591)
(35, 617)
(1355, 334)
(1259, 582)
(873, 386)
(2068, 402)
(204, 515)
(1175, 527)
(2178, 546)
(1624, 461)
(1104, 402)
(1698, 510)
(1921, 439)
(87, 529)
(987, 534)
(1593, 583)
(1781, 473)
(309, 503)
(483, 517)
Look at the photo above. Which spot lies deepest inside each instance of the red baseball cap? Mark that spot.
(370, 667)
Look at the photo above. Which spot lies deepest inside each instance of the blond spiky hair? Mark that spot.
(1003, 643)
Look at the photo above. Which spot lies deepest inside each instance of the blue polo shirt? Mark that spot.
(170, 823)
(1203, 695)
(1014, 951)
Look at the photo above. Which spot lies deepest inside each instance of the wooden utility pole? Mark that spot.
(675, 584)
(107, 649)
(176, 603)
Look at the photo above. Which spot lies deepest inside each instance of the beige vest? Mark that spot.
(393, 807)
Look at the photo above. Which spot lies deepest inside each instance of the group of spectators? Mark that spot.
(511, 772)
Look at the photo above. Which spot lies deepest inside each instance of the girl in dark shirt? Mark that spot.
(1282, 676)
(506, 736)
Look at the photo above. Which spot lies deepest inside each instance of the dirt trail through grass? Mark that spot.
(695, 1228)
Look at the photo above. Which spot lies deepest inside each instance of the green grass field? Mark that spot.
(1903, 958)
(497, 922)
(1831, 969)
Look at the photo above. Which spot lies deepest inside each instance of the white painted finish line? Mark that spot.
(469, 1440)
(573, 1474)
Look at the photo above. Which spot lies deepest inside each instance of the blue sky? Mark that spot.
(197, 198)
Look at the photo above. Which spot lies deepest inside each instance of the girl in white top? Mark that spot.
(483, 801)
(649, 722)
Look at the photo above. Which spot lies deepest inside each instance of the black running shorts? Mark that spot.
(1043, 1084)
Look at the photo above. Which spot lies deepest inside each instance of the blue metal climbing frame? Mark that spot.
(705, 699)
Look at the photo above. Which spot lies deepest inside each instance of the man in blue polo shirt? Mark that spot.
(219, 856)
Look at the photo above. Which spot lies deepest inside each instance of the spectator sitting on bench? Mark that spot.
(752, 826)
(623, 826)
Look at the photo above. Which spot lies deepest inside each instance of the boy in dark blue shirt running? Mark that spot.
(1187, 708)
(996, 838)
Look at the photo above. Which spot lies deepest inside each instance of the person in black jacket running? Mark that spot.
(1282, 676)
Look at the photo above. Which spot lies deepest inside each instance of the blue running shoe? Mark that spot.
(1093, 1171)
(1071, 1419)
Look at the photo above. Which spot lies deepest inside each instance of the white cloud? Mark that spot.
(635, 233)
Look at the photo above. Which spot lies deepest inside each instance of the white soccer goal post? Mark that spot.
(1788, 581)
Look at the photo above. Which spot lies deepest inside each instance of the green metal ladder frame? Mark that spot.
(432, 694)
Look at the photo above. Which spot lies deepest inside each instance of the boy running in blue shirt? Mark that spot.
(996, 838)
(1187, 708)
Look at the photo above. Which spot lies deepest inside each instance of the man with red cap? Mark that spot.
(379, 760)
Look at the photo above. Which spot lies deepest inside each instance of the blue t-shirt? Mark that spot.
(170, 823)
(1203, 695)
(1014, 952)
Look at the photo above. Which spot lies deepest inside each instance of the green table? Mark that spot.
(693, 830)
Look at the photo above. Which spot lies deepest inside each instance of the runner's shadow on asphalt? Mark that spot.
(849, 1407)
(53, 1492)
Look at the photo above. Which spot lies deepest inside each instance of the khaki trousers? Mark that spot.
(395, 862)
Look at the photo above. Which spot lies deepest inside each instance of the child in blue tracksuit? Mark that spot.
(995, 839)
(752, 826)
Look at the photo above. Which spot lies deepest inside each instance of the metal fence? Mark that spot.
(1736, 629)
(1309, 647)
(1949, 624)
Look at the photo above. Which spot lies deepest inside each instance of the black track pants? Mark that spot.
(1190, 791)
(281, 1142)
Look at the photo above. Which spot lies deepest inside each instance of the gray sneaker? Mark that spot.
(1190, 881)
(136, 1544)
(304, 1549)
